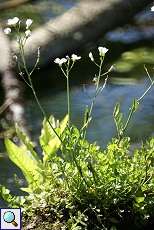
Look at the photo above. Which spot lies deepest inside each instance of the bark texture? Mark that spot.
(13, 103)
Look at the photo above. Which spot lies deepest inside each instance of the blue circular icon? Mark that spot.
(9, 217)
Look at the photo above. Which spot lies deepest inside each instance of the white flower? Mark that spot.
(57, 60)
(60, 61)
(91, 56)
(15, 57)
(75, 57)
(152, 8)
(28, 33)
(67, 57)
(95, 79)
(102, 50)
(28, 23)
(13, 21)
(7, 30)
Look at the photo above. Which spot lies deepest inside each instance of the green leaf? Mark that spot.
(117, 114)
(28, 190)
(139, 199)
(13, 201)
(27, 142)
(49, 142)
(118, 118)
(86, 117)
(116, 110)
(135, 105)
(26, 161)
(47, 132)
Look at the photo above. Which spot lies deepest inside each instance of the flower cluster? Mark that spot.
(11, 22)
(61, 61)
(102, 52)
(15, 22)
(74, 57)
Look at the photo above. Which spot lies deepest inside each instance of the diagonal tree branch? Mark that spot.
(87, 21)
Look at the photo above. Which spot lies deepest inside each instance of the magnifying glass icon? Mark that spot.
(9, 217)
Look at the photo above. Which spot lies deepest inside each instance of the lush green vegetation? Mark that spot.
(75, 184)
(81, 186)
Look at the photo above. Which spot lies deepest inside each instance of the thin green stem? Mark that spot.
(79, 169)
(128, 119)
(146, 70)
(68, 100)
(68, 91)
(138, 101)
(36, 62)
(117, 128)
(144, 94)
(30, 80)
(66, 74)
(22, 54)
(95, 95)
(97, 86)
(132, 109)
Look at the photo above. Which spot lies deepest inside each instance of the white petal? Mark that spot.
(28, 23)
(57, 60)
(28, 33)
(152, 8)
(74, 57)
(7, 30)
(13, 21)
(102, 50)
(67, 57)
(63, 60)
(9, 22)
(91, 56)
(60, 61)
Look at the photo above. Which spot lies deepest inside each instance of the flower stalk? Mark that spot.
(66, 65)
(98, 89)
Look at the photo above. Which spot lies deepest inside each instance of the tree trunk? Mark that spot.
(12, 4)
(87, 21)
(13, 104)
